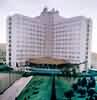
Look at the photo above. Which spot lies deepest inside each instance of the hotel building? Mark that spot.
(48, 35)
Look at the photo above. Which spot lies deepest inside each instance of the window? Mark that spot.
(9, 54)
(9, 37)
(9, 27)
(9, 40)
(9, 63)
(9, 58)
(9, 32)
(10, 23)
(9, 45)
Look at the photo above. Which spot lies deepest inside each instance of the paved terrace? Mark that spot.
(15, 89)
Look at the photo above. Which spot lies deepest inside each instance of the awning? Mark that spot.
(46, 60)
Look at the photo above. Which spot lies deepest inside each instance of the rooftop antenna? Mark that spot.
(45, 9)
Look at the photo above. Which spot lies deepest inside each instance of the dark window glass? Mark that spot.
(9, 40)
(9, 54)
(10, 58)
(9, 63)
(9, 45)
(9, 37)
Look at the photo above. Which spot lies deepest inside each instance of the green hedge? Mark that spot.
(39, 88)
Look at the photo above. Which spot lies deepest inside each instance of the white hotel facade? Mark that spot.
(48, 35)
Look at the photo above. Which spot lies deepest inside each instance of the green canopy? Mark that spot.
(4, 67)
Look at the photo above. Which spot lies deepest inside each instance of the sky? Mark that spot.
(67, 8)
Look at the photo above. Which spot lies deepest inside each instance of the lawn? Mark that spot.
(39, 88)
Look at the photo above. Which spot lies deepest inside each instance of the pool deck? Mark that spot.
(15, 89)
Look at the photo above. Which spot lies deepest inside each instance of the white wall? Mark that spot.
(49, 35)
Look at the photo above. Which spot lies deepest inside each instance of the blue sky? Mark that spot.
(67, 8)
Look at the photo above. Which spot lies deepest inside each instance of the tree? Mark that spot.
(74, 72)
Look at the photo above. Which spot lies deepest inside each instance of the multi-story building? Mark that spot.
(48, 35)
(2, 53)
